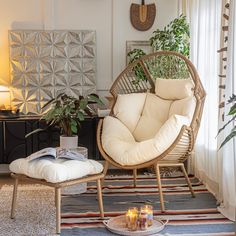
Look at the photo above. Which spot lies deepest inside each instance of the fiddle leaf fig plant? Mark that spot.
(66, 112)
(232, 112)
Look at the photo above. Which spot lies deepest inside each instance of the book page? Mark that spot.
(42, 153)
(71, 154)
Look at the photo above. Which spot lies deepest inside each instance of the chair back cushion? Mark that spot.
(128, 109)
(174, 89)
(145, 113)
(155, 113)
(184, 107)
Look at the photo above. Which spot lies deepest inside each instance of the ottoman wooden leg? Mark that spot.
(58, 209)
(13, 206)
(99, 192)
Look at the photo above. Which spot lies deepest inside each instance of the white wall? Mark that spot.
(110, 19)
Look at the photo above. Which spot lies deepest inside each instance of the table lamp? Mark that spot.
(5, 98)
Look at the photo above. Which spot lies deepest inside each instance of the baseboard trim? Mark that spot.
(4, 169)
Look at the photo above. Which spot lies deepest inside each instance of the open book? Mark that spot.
(57, 153)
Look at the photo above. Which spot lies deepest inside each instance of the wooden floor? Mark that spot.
(6, 179)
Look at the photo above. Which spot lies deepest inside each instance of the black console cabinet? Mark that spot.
(14, 145)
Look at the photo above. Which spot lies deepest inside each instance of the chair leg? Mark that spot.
(106, 166)
(13, 206)
(58, 209)
(157, 168)
(100, 202)
(135, 177)
(187, 179)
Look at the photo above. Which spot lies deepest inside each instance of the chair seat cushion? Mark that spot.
(55, 170)
(119, 143)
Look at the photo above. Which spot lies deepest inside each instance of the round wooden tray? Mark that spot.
(117, 225)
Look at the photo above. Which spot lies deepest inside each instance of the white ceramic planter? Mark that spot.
(69, 142)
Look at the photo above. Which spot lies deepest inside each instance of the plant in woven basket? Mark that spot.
(232, 112)
(66, 112)
(174, 37)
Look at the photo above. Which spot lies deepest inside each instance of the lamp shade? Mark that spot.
(5, 98)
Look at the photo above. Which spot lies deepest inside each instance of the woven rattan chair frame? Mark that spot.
(184, 143)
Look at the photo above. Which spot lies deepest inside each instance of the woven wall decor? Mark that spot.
(142, 16)
(44, 64)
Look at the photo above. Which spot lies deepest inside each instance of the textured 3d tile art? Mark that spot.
(44, 64)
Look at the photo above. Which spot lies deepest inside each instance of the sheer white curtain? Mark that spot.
(205, 22)
(228, 154)
(216, 170)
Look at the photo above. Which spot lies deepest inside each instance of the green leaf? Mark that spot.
(231, 120)
(73, 122)
(49, 102)
(34, 132)
(83, 103)
(80, 116)
(94, 99)
(74, 128)
(228, 138)
(232, 110)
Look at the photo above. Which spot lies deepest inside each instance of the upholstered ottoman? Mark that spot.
(56, 173)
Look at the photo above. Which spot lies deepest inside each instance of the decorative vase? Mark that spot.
(68, 142)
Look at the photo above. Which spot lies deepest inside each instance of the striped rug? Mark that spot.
(186, 215)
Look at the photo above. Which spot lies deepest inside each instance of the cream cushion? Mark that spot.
(128, 108)
(155, 112)
(55, 171)
(119, 143)
(145, 125)
(173, 89)
(183, 107)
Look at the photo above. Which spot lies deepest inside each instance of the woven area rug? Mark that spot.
(187, 215)
(35, 214)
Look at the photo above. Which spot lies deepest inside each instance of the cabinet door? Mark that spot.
(1, 143)
(48, 138)
(87, 136)
(16, 145)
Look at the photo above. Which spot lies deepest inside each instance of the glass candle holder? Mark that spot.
(148, 209)
(143, 220)
(132, 219)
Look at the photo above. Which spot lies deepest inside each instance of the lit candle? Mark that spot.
(143, 220)
(132, 219)
(149, 211)
(5, 98)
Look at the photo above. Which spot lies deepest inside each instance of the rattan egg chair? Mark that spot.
(144, 78)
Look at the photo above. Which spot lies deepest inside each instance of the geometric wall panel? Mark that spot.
(45, 63)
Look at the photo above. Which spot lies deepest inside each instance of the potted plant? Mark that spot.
(66, 112)
(174, 37)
